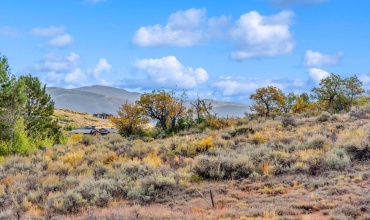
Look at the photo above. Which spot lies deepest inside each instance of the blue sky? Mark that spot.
(224, 50)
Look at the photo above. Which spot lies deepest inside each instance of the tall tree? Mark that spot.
(201, 108)
(353, 89)
(338, 94)
(177, 110)
(329, 89)
(266, 100)
(164, 107)
(130, 119)
(157, 105)
(11, 105)
(39, 109)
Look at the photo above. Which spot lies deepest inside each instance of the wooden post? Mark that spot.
(204, 198)
(213, 204)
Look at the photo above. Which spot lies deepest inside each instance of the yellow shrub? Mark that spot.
(176, 159)
(110, 157)
(75, 138)
(74, 158)
(206, 143)
(265, 168)
(257, 138)
(153, 159)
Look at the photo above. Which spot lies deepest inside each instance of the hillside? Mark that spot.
(106, 99)
(296, 167)
(72, 119)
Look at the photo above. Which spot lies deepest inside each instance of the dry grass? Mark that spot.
(261, 170)
(77, 119)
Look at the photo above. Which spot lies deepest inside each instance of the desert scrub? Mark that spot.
(88, 140)
(113, 139)
(74, 158)
(257, 138)
(223, 166)
(288, 120)
(323, 117)
(360, 150)
(18, 164)
(337, 159)
(99, 193)
(62, 204)
(362, 112)
(317, 142)
(153, 159)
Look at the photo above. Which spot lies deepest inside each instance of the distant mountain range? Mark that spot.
(94, 99)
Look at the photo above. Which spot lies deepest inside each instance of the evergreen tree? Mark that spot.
(39, 109)
(12, 99)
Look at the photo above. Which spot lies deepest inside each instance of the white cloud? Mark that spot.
(76, 77)
(102, 66)
(64, 40)
(169, 72)
(66, 71)
(52, 63)
(48, 32)
(239, 86)
(317, 74)
(255, 35)
(184, 28)
(252, 35)
(317, 59)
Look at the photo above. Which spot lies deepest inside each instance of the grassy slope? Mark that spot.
(277, 173)
(78, 119)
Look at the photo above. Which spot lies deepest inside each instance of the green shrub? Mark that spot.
(114, 139)
(6, 214)
(358, 149)
(288, 120)
(226, 136)
(316, 165)
(17, 164)
(99, 171)
(337, 159)
(62, 204)
(324, 116)
(88, 140)
(223, 167)
(349, 211)
(316, 142)
(362, 112)
(242, 131)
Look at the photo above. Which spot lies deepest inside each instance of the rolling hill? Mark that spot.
(93, 99)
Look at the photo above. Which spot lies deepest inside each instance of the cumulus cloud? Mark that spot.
(57, 36)
(64, 40)
(102, 66)
(53, 63)
(255, 35)
(47, 32)
(169, 73)
(66, 71)
(228, 86)
(317, 74)
(184, 28)
(317, 59)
